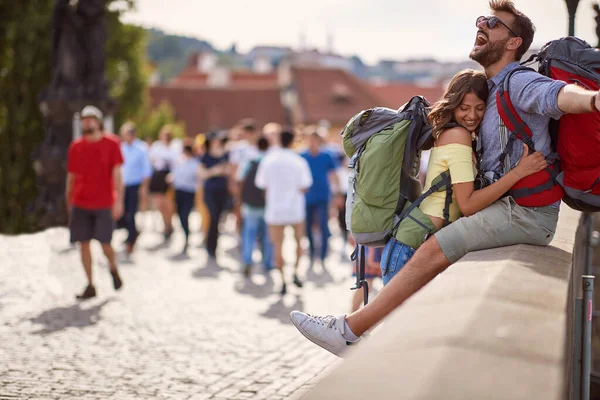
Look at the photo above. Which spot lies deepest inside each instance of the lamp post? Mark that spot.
(572, 8)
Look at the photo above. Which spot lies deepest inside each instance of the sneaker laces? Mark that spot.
(327, 321)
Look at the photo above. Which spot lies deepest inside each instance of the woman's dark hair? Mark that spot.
(188, 149)
(287, 138)
(465, 81)
(262, 143)
(214, 137)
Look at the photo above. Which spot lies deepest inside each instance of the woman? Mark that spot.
(455, 120)
(185, 181)
(199, 152)
(214, 171)
(162, 156)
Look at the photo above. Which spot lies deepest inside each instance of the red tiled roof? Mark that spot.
(239, 79)
(331, 94)
(394, 95)
(203, 109)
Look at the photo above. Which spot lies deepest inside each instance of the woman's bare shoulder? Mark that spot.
(456, 135)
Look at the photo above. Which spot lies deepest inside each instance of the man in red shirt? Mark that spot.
(94, 193)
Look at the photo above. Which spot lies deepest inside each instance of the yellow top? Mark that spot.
(457, 158)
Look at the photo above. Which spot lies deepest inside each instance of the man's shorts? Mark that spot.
(86, 224)
(503, 223)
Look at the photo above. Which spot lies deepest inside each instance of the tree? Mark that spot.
(125, 64)
(25, 69)
(150, 121)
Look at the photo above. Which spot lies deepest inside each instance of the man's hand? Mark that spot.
(597, 102)
(117, 211)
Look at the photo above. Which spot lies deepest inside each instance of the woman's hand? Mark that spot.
(530, 163)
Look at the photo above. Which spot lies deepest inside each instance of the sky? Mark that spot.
(372, 29)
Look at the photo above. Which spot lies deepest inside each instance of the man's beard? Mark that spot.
(491, 54)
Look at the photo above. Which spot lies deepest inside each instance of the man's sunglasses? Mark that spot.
(492, 22)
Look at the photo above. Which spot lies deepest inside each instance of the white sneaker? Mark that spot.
(326, 332)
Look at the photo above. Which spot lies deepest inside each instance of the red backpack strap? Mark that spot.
(520, 130)
(510, 117)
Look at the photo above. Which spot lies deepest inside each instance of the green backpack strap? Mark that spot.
(442, 182)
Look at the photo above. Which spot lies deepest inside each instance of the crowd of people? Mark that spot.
(267, 178)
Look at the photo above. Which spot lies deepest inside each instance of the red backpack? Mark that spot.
(573, 174)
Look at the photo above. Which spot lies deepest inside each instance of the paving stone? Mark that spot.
(179, 328)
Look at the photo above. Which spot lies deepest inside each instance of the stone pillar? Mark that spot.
(78, 61)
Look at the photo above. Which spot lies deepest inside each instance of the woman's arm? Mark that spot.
(205, 173)
(471, 201)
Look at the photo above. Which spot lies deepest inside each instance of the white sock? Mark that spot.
(348, 334)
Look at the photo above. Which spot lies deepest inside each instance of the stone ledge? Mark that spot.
(492, 326)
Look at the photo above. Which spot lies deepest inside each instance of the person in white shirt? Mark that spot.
(185, 178)
(162, 157)
(285, 176)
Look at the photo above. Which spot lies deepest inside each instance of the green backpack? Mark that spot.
(384, 190)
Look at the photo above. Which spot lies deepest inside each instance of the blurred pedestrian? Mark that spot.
(94, 193)
(243, 151)
(372, 271)
(162, 157)
(215, 171)
(318, 197)
(272, 132)
(199, 151)
(185, 180)
(340, 201)
(285, 176)
(253, 211)
(137, 171)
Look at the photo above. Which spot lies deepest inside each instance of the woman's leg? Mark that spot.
(323, 218)
(267, 246)
(167, 210)
(221, 197)
(310, 212)
(213, 230)
(250, 230)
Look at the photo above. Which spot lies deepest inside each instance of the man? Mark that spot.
(322, 168)
(137, 172)
(285, 176)
(501, 41)
(272, 131)
(253, 211)
(94, 193)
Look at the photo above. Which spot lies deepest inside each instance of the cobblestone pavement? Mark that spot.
(178, 329)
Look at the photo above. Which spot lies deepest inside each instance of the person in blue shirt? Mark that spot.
(136, 171)
(322, 168)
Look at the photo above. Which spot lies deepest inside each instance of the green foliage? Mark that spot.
(25, 69)
(125, 64)
(150, 122)
(25, 65)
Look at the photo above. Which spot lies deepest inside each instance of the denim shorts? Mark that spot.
(393, 258)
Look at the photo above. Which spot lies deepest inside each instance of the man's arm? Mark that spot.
(117, 210)
(538, 94)
(145, 186)
(573, 99)
(69, 189)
